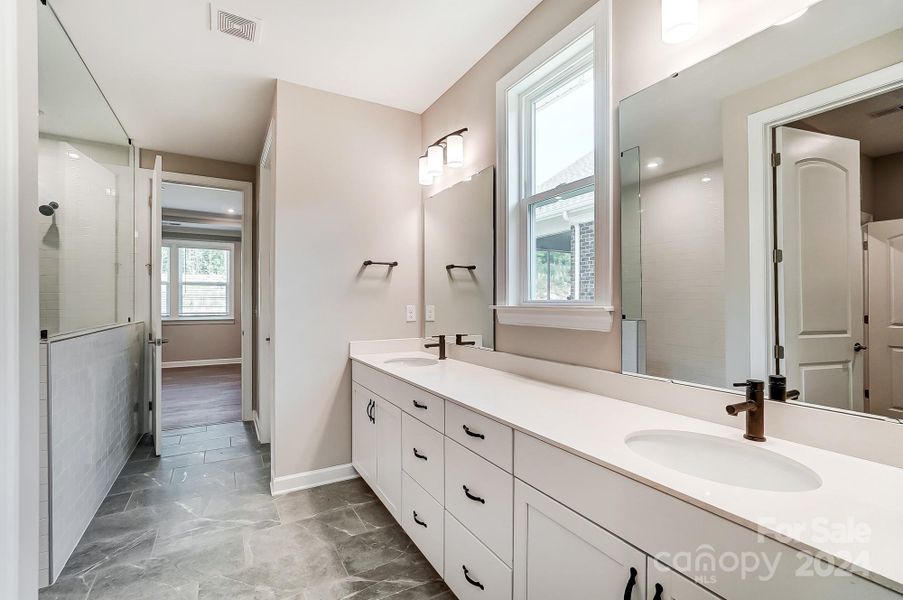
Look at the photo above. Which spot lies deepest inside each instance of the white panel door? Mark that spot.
(156, 339)
(559, 554)
(664, 583)
(821, 289)
(263, 353)
(363, 433)
(388, 454)
(885, 347)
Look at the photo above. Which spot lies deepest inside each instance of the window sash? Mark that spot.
(176, 284)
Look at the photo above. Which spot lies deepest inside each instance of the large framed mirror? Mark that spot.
(459, 260)
(762, 213)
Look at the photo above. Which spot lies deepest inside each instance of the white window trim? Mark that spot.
(175, 290)
(512, 304)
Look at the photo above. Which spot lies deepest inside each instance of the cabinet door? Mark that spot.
(559, 554)
(664, 583)
(363, 433)
(388, 455)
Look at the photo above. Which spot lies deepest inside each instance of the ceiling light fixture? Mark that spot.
(446, 151)
(680, 20)
(72, 155)
(654, 163)
(793, 17)
(706, 179)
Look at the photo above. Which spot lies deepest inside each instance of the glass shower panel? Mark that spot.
(631, 224)
(85, 193)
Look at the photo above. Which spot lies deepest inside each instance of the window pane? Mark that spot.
(203, 278)
(562, 236)
(563, 133)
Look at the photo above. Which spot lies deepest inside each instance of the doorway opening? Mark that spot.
(204, 302)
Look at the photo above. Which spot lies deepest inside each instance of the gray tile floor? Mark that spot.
(199, 522)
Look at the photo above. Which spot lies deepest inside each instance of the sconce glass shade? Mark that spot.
(454, 151)
(680, 20)
(424, 176)
(435, 160)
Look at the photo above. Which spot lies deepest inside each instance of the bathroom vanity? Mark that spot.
(516, 488)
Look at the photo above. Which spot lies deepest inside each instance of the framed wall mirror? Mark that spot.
(459, 260)
(762, 213)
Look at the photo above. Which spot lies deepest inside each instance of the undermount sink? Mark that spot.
(722, 460)
(412, 361)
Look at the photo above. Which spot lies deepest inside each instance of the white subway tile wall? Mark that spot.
(96, 397)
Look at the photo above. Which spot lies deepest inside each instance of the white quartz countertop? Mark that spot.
(854, 520)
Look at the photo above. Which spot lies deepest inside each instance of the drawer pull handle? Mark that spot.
(473, 433)
(472, 582)
(418, 405)
(631, 583)
(370, 408)
(418, 455)
(471, 496)
(422, 524)
(658, 591)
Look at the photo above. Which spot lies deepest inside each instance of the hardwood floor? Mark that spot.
(195, 396)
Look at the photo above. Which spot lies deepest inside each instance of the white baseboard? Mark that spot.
(174, 364)
(309, 479)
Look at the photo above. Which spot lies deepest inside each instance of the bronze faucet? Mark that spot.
(440, 344)
(459, 340)
(754, 407)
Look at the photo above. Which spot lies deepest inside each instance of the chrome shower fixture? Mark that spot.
(48, 209)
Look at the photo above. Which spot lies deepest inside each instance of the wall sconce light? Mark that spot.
(446, 151)
(680, 20)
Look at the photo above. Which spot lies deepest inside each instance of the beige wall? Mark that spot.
(640, 59)
(195, 165)
(345, 191)
(197, 340)
(888, 187)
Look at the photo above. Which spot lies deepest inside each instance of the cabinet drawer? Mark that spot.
(423, 456)
(485, 578)
(424, 521)
(424, 406)
(481, 496)
(490, 439)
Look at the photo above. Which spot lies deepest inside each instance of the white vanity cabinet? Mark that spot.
(376, 445)
(503, 515)
(559, 554)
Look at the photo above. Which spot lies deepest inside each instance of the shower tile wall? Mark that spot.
(81, 244)
(44, 527)
(96, 399)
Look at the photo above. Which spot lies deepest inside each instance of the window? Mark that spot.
(202, 284)
(555, 231)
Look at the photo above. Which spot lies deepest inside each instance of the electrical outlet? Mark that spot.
(410, 313)
(430, 313)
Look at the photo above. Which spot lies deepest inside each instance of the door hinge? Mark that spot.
(150, 406)
(779, 351)
(866, 392)
(865, 319)
(776, 159)
(149, 268)
(777, 256)
(865, 244)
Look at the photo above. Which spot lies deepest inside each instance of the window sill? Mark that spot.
(199, 321)
(576, 317)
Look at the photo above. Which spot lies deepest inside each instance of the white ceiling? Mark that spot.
(178, 87)
(199, 199)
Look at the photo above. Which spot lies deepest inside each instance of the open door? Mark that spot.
(820, 274)
(155, 336)
(885, 351)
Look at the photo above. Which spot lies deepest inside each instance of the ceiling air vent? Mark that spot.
(245, 28)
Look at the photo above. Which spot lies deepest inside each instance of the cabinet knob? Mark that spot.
(631, 583)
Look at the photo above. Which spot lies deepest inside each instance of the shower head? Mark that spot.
(48, 209)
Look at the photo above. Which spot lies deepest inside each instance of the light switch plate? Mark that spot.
(430, 313)
(410, 313)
